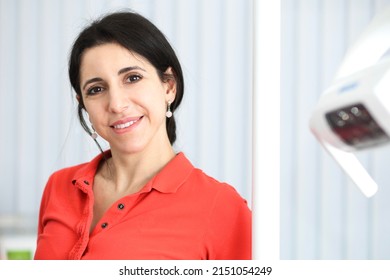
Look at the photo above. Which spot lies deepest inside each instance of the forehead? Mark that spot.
(110, 57)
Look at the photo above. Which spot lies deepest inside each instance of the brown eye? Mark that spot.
(94, 90)
(134, 78)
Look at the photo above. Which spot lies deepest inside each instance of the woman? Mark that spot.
(139, 199)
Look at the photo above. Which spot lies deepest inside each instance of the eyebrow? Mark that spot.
(130, 68)
(120, 72)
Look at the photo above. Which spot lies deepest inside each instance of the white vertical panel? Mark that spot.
(357, 206)
(308, 50)
(8, 103)
(380, 171)
(210, 91)
(288, 166)
(143, 7)
(266, 99)
(187, 49)
(27, 122)
(236, 100)
(49, 93)
(380, 225)
(333, 190)
(94, 8)
(165, 17)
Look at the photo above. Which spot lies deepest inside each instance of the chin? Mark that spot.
(133, 148)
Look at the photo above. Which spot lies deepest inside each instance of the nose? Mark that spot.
(118, 101)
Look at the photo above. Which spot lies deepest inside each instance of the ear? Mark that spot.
(80, 100)
(170, 85)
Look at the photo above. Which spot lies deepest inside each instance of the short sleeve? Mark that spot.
(229, 235)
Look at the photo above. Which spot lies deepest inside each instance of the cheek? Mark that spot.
(159, 108)
(92, 113)
(155, 101)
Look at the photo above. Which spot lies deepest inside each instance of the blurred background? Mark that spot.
(323, 214)
(39, 128)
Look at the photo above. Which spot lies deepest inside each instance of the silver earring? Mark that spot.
(169, 114)
(94, 135)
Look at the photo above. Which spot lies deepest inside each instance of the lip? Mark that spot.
(126, 124)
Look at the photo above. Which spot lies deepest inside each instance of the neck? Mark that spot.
(130, 172)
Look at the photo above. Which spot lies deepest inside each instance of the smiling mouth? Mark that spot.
(126, 124)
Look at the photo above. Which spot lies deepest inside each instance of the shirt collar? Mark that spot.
(172, 176)
(168, 180)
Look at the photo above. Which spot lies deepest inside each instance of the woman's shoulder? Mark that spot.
(228, 220)
(207, 181)
(68, 171)
(80, 171)
(196, 183)
(223, 191)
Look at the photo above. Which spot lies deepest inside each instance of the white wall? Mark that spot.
(39, 129)
(323, 214)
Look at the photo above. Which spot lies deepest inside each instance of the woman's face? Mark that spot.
(125, 99)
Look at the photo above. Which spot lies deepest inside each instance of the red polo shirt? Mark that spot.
(179, 214)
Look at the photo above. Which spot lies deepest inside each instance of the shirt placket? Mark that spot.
(116, 213)
(85, 220)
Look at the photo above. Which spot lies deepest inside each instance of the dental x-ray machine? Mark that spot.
(353, 113)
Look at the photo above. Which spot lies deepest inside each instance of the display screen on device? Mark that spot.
(356, 127)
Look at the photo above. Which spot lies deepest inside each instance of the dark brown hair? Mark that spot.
(137, 34)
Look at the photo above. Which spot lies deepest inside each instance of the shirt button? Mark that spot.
(121, 206)
(104, 225)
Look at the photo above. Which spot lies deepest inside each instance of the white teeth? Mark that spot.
(124, 125)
